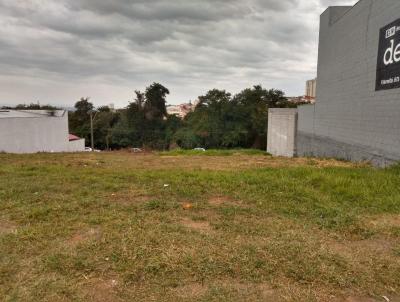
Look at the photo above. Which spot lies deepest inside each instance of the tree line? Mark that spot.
(219, 120)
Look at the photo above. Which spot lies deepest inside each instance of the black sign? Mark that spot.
(388, 67)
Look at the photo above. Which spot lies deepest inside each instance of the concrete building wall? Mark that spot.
(306, 118)
(305, 130)
(282, 124)
(352, 120)
(36, 134)
(76, 146)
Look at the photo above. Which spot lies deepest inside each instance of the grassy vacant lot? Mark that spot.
(172, 227)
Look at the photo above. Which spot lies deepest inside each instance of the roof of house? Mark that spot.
(8, 113)
(72, 137)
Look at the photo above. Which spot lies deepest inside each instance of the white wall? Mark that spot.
(36, 134)
(282, 124)
(76, 146)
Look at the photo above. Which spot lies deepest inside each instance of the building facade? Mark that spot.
(180, 110)
(32, 131)
(357, 113)
(311, 89)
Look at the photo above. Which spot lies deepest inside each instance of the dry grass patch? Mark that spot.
(384, 221)
(7, 227)
(129, 161)
(190, 291)
(85, 236)
(359, 299)
(234, 290)
(201, 226)
(100, 290)
(129, 197)
(263, 290)
(221, 200)
(359, 249)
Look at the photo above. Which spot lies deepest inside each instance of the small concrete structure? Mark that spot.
(282, 130)
(32, 131)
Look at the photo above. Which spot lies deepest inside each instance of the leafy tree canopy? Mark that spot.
(220, 120)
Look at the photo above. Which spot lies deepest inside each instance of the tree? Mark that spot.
(31, 106)
(253, 104)
(140, 99)
(172, 125)
(102, 125)
(213, 121)
(155, 111)
(79, 120)
(123, 135)
(83, 106)
(145, 122)
(186, 138)
(276, 99)
(155, 104)
(223, 121)
(220, 120)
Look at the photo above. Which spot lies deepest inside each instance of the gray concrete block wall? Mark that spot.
(348, 111)
(306, 118)
(305, 130)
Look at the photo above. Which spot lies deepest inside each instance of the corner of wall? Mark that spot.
(332, 14)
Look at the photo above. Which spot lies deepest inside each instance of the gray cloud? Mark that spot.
(57, 51)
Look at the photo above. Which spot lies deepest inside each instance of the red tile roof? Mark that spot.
(73, 137)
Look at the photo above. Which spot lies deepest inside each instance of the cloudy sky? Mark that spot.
(56, 51)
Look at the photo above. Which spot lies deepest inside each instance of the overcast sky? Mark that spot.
(58, 51)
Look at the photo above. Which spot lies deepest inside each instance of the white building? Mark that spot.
(311, 89)
(32, 131)
(180, 110)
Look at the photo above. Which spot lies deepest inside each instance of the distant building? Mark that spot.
(311, 90)
(32, 131)
(180, 110)
(297, 99)
(300, 100)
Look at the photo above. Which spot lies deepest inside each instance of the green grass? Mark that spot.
(116, 227)
(214, 152)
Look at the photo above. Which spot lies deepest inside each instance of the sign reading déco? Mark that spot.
(388, 67)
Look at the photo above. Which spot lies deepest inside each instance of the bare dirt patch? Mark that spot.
(129, 197)
(262, 291)
(352, 249)
(84, 236)
(193, 290)
(220, 200)
(359, 299)
(98, 290)
(267, 292)
(384, 221)
(216, 163)
(201, 226)
(86, 162)
(7, 227)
